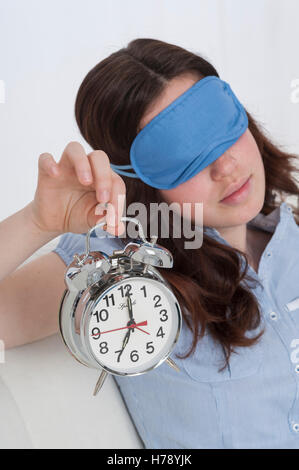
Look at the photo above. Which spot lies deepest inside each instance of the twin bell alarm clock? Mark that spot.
(118, 314)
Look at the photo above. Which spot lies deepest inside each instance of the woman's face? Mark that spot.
(239, 162)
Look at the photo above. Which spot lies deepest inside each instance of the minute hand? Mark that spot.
(125, 341)
(126, 338)
(130, 308)
(129, 303)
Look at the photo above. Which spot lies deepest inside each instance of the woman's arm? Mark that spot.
(30, 300)
(20, 238)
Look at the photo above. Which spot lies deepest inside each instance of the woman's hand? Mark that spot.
(68, 192)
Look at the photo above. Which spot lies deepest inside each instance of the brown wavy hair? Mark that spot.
(110, 103)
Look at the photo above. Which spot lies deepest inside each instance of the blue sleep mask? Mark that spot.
(188, 135)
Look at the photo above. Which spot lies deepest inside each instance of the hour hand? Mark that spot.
(129, 304)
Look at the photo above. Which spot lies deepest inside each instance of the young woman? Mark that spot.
(238, 350)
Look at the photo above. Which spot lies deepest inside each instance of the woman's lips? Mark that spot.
(239, 195)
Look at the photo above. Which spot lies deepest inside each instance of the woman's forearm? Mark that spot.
(20, 237)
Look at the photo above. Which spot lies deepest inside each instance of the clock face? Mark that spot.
(133, 326)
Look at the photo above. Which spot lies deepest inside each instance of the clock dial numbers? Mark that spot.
(149, 347)
(125, 290)
(160, 332)
(157, 299)
(134, 356)
(103, 347)
(109, 299)
(143, 288)
(138, 333)
(164, 316)
(96, 333)
(102, 315)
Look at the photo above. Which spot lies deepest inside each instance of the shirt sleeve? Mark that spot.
(74, 243)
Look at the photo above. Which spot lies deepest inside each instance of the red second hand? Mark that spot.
(135, 325)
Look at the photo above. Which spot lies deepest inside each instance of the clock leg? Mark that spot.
(172, 364)
(100, 382)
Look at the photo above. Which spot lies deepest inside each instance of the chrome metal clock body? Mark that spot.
(118, 313)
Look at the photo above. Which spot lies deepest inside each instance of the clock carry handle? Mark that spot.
(141, 234)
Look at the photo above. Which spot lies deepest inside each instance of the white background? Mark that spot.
(48, 46)
(46, 49)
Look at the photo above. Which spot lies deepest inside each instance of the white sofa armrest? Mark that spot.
(47, 401)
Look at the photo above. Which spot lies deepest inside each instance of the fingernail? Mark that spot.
(54, 170)
(105, 195)
(86, 177)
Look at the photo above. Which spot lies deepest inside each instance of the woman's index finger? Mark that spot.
(74, 152)
(102, 174)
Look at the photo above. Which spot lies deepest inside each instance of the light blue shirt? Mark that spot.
(252, 404)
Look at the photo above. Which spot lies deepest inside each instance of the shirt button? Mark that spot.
(273, 315)
(296, 427)
(289, 208)
(297, 369)
(269, 253)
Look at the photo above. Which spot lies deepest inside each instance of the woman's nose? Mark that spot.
(223, 166)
